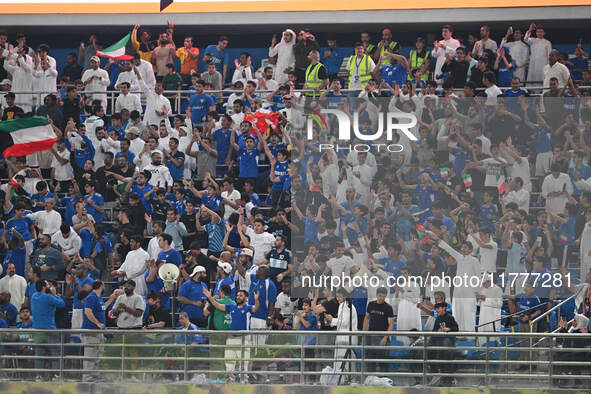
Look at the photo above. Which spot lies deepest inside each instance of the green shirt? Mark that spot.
(222, 320)
(172, 82)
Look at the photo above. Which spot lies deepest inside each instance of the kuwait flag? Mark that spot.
(501, 185)
(467, 180)
(121, 50)
(25, 136)
(422, 233)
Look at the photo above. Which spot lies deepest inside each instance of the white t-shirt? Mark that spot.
(49, 222)
(491, 94)
(62, 171)
(233, 197)
(69, 245)
(285, 304)
(262, 243)
(340, 264)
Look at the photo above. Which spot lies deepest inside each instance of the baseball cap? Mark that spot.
(246, 252)
(197, 269)
(227, 267)
(96, 59)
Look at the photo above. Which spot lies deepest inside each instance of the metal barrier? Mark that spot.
(312, 357)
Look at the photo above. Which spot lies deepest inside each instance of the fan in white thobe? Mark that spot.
(490, 297)
(134, 267)
(409, 295)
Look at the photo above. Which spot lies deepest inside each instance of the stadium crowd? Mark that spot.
(230, 183)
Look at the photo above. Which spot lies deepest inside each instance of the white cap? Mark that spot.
(199, 268)
(247, 252)
(227, 267)
(96, 59)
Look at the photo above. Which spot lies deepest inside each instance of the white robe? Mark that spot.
(135, 267)
(285, 57)
(46, 82)
(16, 285)
(540, 49)
(464, 297)
(585, 250)
(409, 316)
(551, 184)
(97, 85)
(439, 54)
(520, 54)
(154, 102)
(22, 80)
(490, 309)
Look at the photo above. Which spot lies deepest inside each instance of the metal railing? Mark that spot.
(310, 357)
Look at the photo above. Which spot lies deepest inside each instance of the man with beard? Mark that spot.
(107, 182)
(192, 297)
(96, 79)
(82, 283)
(134, 267)
(158, 315)
(267, 82)
(129, 308)
(163, 54)
(48, 259)
(155, 101)
(160, 174)
(239, 313)
(279, 260)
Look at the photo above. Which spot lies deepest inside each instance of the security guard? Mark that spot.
(316, 74)
(360, 67)
(419, 58)
(385, 45)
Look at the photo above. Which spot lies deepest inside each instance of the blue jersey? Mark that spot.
(171, 257)
(43, 306)
(216, 233)
(249, 160)
(222, 146)
(21, 225)
(485, 220)
(120, 132)
(584, 173)
(176, 172)
(92, 211)
(129, 155)
(219, 58)
(97, 306)
(267, 295)
(193, 291)
(281, 173)
(229, 280)
(310, 230)
(278, 262)
(394, 74)
(81, 283)
(544, 140)
(16, 256)
(505, 73)
(200, 104)
(135, 188)
(239, 316)
(566, 232)
(68, 203)
(156, 286)
(38, 198)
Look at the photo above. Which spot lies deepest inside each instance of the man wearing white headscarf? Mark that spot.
(285, 55)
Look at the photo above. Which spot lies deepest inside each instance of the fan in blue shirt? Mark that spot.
(7, 310)
(219, 57)
(396, 73)
(200, 104)
(249, 158)
(41, 196)
(261, 283)
(240, 311)
(222, 137)
(171, 256)
(94, 304)
(43, 306)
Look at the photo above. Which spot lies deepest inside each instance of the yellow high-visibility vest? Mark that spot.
(415, 61)
(312, 79)
(364, 70)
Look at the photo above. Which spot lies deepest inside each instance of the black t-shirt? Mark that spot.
(159, 209)
(378, 316)
(9, 112)
(332, 308)
(71, 109)
(101, 186)
(158, 315)
(458, 70)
